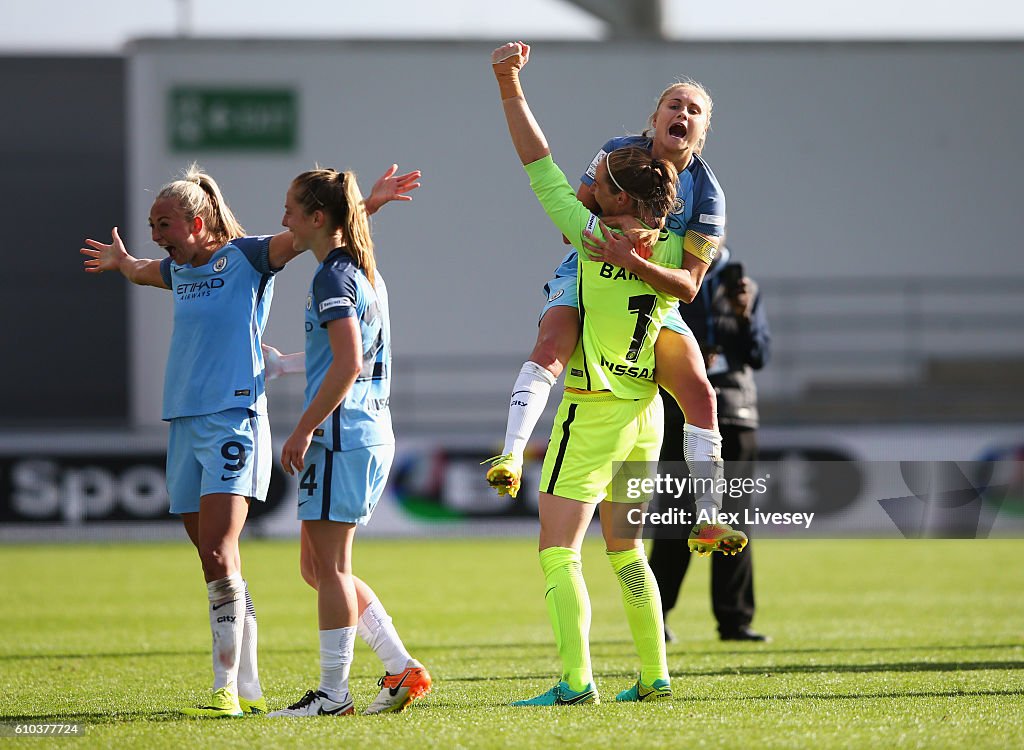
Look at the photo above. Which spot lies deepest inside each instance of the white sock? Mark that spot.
(529, 397)
(375, 628)
(248, 672)
(336, 647)
(702, 450)
(227, 620)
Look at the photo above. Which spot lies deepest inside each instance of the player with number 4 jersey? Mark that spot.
(343, 445)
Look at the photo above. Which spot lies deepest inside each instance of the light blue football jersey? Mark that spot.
(340, 290)
(700, 201)
(699, 204)
(220, 311)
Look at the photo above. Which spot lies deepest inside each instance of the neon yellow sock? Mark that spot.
(569, 610)
(642, 601)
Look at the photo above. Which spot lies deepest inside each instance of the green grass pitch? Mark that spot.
(877, 644)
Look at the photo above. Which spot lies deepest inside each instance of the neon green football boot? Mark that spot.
(505, 474)
(716, 537)
(254, 707)
(222, 704)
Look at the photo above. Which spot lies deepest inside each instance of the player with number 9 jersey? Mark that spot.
(218, 456)
(218, 413)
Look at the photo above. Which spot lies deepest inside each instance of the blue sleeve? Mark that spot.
(257, 251)
(708, 215)
(587, 178)
(335, 293)
(165, 271)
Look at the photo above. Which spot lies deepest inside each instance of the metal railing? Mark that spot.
(867, 330)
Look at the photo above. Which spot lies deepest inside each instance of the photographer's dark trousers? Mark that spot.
(732, 576)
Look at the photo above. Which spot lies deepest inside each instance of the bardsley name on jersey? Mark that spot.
(608, 271)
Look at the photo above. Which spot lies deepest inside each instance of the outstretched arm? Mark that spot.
(277, 364)
(282, 250)
(391, 187)
(388, 187)
(527, 137)
(101, 257)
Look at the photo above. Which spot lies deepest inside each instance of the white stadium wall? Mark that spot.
(838, 160)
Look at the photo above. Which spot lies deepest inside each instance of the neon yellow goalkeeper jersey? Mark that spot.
(620, 315)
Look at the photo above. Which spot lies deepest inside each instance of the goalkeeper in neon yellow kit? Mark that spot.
(610, 412)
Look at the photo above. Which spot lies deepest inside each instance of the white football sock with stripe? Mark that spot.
(248, 671)
(375, 627)
(529, 397)
(336, 647)
(702, 450)
(227, 621)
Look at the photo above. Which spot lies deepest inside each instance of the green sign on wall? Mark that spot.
(222, 119)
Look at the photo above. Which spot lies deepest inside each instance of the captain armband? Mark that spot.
(700, 246)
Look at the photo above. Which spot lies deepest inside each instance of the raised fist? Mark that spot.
(510, 56)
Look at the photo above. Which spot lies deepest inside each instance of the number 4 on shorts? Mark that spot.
(308, 480)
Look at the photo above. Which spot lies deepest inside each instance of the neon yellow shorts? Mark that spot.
(592, 435)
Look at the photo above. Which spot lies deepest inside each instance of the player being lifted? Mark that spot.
(610, 411)
(677, 134)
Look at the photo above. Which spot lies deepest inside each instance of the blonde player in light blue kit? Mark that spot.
(218, 456)
(677, 132)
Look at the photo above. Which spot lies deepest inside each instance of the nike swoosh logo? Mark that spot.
(549, 591)
(226, 477)
(572, 701)
(640, 694)
(396, 688)
(338, 710)
(215, 607)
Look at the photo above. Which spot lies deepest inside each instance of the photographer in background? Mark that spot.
(728, 319)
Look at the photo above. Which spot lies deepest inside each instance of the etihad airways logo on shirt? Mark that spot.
(195, 289)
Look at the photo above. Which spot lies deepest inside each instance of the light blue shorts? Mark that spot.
(226, 452)
(343, 486)
(561, 292)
